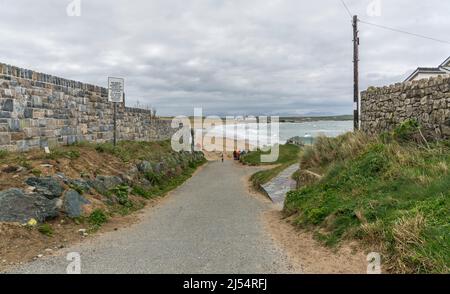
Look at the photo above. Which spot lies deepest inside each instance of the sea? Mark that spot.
(307, 131)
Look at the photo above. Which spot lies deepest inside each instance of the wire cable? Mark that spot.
(403, 32)
(346, 8)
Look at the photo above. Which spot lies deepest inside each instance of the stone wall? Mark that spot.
(427, 101)
(38, 110)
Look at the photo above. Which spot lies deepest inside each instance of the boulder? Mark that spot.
(73, 203)
(159, 168)
(144, 166)
(105, 183)
(16, 206)
(46, 186)
(80, 183)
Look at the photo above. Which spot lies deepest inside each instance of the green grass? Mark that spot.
(289, 154)
(3, 154)
(46, 230)
(97, 218)
(135, 150)
(393, 197)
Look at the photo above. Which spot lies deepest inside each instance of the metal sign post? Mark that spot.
(115, 95)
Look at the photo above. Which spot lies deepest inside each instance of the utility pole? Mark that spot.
(355, 73)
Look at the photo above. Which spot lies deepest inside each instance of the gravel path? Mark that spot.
(211, 224)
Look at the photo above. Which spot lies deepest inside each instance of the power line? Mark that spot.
(403, 32)
(346, 8)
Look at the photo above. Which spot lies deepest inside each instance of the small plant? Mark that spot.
(61, 152)
(46, 230)
(121, 193)
(407, 131)
(97, 218)
(24, 162)
(140, 191)
(154, 178)
(73, 186)
(3, 154)
(36, 172)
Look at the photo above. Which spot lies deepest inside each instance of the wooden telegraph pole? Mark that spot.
(355, 73)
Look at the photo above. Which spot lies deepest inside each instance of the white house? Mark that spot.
(428, 72)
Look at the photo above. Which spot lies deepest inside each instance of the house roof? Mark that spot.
(429, 70)
(443, 68)
(446, 63)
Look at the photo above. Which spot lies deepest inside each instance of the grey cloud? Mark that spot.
(229, 57)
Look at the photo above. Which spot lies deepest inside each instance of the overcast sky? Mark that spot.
(228, 56)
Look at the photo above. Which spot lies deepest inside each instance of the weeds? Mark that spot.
(97, 218)
(46, 230)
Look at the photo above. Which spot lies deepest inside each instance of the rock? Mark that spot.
(297, 140)
(144, 166)
(47, 186)
(80, 184)
(16, 206)
(10, 169)
(159, 167)
(105, 183)
(73, 203)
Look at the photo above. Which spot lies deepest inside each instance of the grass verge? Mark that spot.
(391, 195)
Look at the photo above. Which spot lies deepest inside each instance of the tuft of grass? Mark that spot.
(97, 218)
(121, 192)
(63, 152)
(36, 172)
(46, 230)
(391, 196)
(3, 154)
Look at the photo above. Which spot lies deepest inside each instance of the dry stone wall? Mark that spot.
(427, 101)
(38, 110)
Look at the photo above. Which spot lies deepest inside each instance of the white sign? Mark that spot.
(115, 87)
